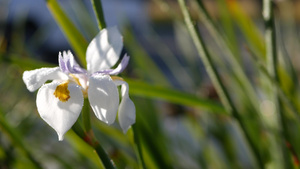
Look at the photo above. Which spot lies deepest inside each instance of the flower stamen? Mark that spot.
(62, 92)
(75, 79)
(117, 78)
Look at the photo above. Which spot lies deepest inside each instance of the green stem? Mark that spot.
(86, 116)
(78, 129)
(108, 164)
(272, 62)
(224, 44)
(99, 13)
(90, 139)
(216, 79)
(276, 84)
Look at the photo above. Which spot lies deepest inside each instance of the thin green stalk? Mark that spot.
(99, 13)
(247, 27)
(272, 62)
(276, 84)
(224, 44)
(15, 138)
(75, 38)
(78, 129)
(108, 164)
(90, 139)
(216, 79)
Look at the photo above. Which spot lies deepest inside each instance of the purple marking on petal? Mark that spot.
(68, 64)
(68, 59)
(121, 66)
(107, 71)
(78, 70)
(118, 69)
(62, 63)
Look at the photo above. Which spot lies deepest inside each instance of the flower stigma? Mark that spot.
(62, 92)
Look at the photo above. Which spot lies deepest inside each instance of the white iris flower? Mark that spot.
(59, 103)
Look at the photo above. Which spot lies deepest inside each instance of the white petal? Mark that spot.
(59, 115)
(104, 50)
(126, 109)
(104, 97)
(34, 79)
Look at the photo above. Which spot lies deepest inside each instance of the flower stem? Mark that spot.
(216, 79)
(86, 116)
(90, 139)
(99, 13)
(108, 164)
(272, 63)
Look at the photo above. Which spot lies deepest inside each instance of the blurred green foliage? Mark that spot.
(184, 119)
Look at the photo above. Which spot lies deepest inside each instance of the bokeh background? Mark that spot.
(162, 54)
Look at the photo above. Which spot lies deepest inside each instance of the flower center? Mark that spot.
(62, 92)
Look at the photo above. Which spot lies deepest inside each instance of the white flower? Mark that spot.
(59, 103)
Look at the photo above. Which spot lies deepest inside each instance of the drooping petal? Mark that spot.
(127, 108)
(104, 97)
(60, 115)
(104, 50)
(34, 79)
(123, 64)
(68, 64)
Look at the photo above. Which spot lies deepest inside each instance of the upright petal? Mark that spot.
(68, 64)
(104, 50)
(127, 108)
(60, 115)
(34, 79)
(104, 97)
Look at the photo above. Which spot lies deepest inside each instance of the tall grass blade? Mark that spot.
(75, 38)
(216, 79)
(272, 65)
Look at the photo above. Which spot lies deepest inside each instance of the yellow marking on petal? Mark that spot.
(75, 79)
(62, 92)
(117, 78)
